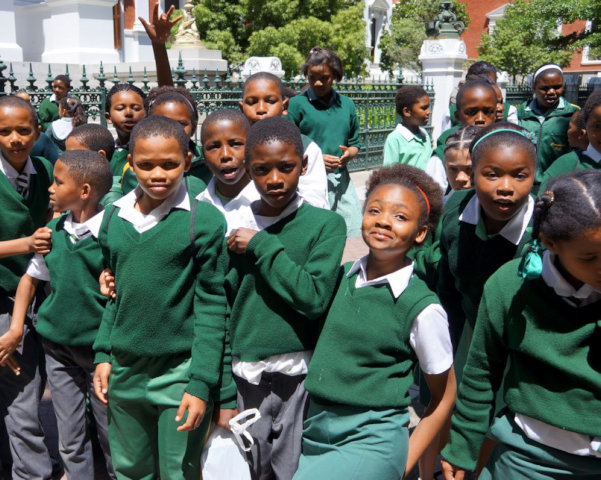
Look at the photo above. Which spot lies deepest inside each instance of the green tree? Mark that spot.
(401, 46)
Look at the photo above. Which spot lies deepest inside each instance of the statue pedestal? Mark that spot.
(442, 61)
(197, 57)
(262, 64)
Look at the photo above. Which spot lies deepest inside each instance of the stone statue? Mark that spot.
(187, 32)
(445, 23)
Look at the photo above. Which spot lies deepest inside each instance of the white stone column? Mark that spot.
(9, 48)
(442, 63)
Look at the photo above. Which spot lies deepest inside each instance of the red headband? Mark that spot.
(425, 199)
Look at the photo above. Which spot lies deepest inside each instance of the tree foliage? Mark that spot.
(287, 29)
(401, 46)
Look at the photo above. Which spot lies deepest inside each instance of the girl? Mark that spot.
(330, 119)
(458, 164)
(70, 111)
(547, 116)
(537, 332)
(361, 369)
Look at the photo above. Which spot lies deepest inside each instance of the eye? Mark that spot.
(373, 211)
(588, 259)
(400, 217)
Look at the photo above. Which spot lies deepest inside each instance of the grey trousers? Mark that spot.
(70, 373)
(282, 401)
(20, 401)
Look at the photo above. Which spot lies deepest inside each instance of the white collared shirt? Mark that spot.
(409, 135)
(127, 211)
(593, 153)
(514, 229)
(37, 267)
(429, 335)
(262, 222)
(11, 173)
(313, 185)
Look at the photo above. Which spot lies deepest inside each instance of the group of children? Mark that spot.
(222, 289)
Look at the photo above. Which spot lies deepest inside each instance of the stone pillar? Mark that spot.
(9, 48)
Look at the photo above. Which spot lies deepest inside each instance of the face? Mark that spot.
(391, 221)
(593, 128)
(548, 89)
(275, 168)
(320, 78)
(59, 89)
(127, 109)
(419, 113)
(223, 148)
(65, 191)
(159, 165)
(478, 107)
(176, 111)
(458, 165)
(500, 105)
(579, 258)
(503, 179)
(17, 135)
(262, 99)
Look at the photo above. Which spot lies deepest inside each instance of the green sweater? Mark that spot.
(47, 113)
(363, 357)
(568, 163)
(72, 312)
(118, 161)
(442, 140)
(20, 217)
(549, 351)
(282, 286)
(170, 298)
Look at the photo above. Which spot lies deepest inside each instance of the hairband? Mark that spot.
(544, 68)
(499, 130)
(425, 198)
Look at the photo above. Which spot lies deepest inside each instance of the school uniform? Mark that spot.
(163, 333)
(24, 209)
(278, 290)
(575, 160)
(404, 146)
(330, 125)
(362, 369)
(68, 321)
(44, 147)
(59, 130)
(48, 111)
(539, 337)
(442, 140)
(313, 185)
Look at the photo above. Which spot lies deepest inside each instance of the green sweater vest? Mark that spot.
(568, 163)
(282, 286)
(170, 298)
(20, 217)
(47, 113)
(363, 357)
(467, 261)
(551, 351)
(72, 312)
(118, 161)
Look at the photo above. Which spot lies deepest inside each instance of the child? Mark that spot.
(458, 164)
(68, 319)
(48, 109)
(547, 116)
(537, 335)
(577, 132)
(505, 112)
(280, 285)
(361, 371)
(263, 97)
(24, 183)
(152, 372)
(70, 111)
(330, 119)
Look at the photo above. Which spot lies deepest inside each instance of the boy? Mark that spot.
(160, 343)
(281, 283)
(69, 318)
(24, 183)
(48, 109)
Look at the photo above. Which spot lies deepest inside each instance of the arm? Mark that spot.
(353, 144)
(102, 349)
(392, 153)
(38, 242)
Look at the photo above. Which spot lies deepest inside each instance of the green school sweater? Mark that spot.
(551, 351)
(568, 163)
(47, 113)
(467, 260)
(170, 298)
(281, 287)
(118, 161)
(442, 140)
(363, 357)
(20, 217)
(72, 312)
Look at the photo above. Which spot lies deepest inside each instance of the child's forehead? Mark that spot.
(262, 86)
(274, 146)
(123, 95)
(478, 93)
(16, 113)
(223, 127)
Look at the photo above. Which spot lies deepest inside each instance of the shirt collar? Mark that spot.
(554, 279)
(593, 153)
(533, 107)
(92, 225)
(513, 230)
(314, 98)
(398, 280)
(264, 222)
(248, 195)
(409, 135)
(10, 171)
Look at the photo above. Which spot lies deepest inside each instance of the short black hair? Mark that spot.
(87, 166)
(265, 76)
(415, 180)
(506, 138)
(592, 102)
(461, 139)
(63, 78)
(168, 94)
(475, 84)
(159, 126)
(274, 129)
(407, 96)
(121, 87)
(578, 117)
(13, 101)
(481, 69)
(321, 56)
(226, 114)
(570, 205)
(96, 137)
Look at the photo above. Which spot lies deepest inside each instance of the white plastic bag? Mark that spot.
(222, 459)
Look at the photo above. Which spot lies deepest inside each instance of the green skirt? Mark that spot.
(344, 201)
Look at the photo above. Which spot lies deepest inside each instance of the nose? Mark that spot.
(225, 153)
(157, 173)
(383, 220)
(261, 108)
(505, 185)
(480, 118)
(463, 178)
(14, 137)
(274, 181)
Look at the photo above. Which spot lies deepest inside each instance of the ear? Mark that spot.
(241, 106)
(130, 160)
(85, 192)
(421, 234)
(188, 162)
(285, 104)
(548, 243)
(38, 132)
(405, 112)
(102, 152)
(304, 163)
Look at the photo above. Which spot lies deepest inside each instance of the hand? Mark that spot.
(12, 364)
(331, 162)
(196, 408)
(348, 154)
(160, 26)
(222, 417)
(451, 472)
(239, 238)
(101, 381)
(9, 342)
(40, 241)
(107, 283)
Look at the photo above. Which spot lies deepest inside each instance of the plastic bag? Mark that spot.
(222, 458)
